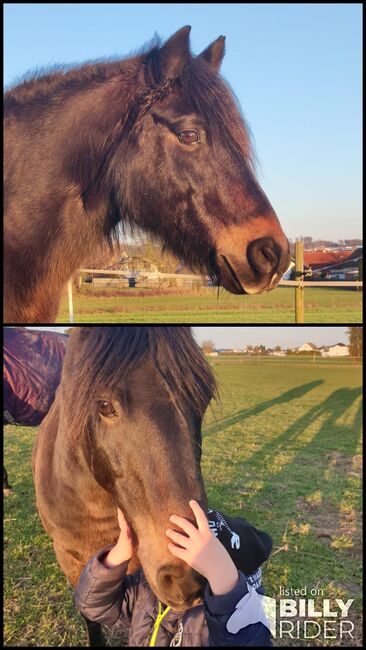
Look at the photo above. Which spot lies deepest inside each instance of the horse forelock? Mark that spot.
(214, 99)
(99, 359)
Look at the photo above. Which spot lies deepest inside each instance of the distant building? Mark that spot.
(334, 265)
(353, 242)
(319, 259)
(325, 244)
(307, 347)
(307, 241)
(278, 353)
(337, 350)
(348, 269)
(212, 354)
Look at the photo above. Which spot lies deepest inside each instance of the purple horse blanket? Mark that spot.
(32, 372)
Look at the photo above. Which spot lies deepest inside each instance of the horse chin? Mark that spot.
(237, 281)
(182, 606)
(242, 287)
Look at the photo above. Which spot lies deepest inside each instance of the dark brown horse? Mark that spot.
(125, 430)
(155, 141)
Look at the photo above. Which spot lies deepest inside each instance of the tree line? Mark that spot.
(354, 342)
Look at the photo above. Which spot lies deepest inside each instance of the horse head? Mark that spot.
(185, 171)
(136, 396)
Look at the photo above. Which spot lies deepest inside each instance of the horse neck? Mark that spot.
(91, 125)
(73, 137)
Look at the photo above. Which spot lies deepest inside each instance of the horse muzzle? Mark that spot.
(179, 586)
(251, 265)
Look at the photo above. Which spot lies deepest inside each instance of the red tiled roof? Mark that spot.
(317, 259)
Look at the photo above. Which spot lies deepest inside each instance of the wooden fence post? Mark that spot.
(359, 264)
(299, 290)
(71, 306)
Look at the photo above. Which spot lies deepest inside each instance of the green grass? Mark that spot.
(283, 450)
(322, 305)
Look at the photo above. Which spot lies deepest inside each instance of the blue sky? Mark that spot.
(241, 336)
(295, 68)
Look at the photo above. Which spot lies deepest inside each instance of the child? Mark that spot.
(225, 551)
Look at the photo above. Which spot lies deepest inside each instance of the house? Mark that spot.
(278, 353)
(319, 259)
(335, 265)
(322, 349)
(337, 350)
(307, 347)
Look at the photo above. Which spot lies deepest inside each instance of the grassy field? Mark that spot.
(283, 450)
(322, 305)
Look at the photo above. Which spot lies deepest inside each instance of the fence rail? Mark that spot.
(321, 283)
(299, 284)
(145, 274)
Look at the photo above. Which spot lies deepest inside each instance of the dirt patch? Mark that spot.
(350, 465)
(337, 527)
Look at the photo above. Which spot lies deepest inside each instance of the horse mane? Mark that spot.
(46, 84)
(210, 94)
(98, 359)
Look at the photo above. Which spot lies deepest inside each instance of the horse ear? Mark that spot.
(174, 54)
(214, 53)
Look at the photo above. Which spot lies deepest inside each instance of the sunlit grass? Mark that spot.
(322, 305)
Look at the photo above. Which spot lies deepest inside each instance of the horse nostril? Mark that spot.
(263, 255)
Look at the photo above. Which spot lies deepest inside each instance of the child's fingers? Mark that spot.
(181, 553)
(200, 515)
(184, 524)
(178, 538)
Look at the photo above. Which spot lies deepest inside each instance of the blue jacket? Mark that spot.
(109, 596)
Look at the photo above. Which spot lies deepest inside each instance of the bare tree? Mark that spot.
(208, 346)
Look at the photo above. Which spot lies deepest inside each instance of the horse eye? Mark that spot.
(188, 137)
(106, 408)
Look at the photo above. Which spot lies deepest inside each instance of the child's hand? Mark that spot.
(203, 551)
(126, 545)
(127, 537)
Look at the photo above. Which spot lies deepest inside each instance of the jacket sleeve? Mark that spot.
(240, 611)
(106, 595)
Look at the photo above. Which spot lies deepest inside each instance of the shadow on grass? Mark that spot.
(305, 472)
(239, 416)
(330, 436)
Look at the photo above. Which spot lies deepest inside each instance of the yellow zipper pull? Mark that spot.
(159, 618)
